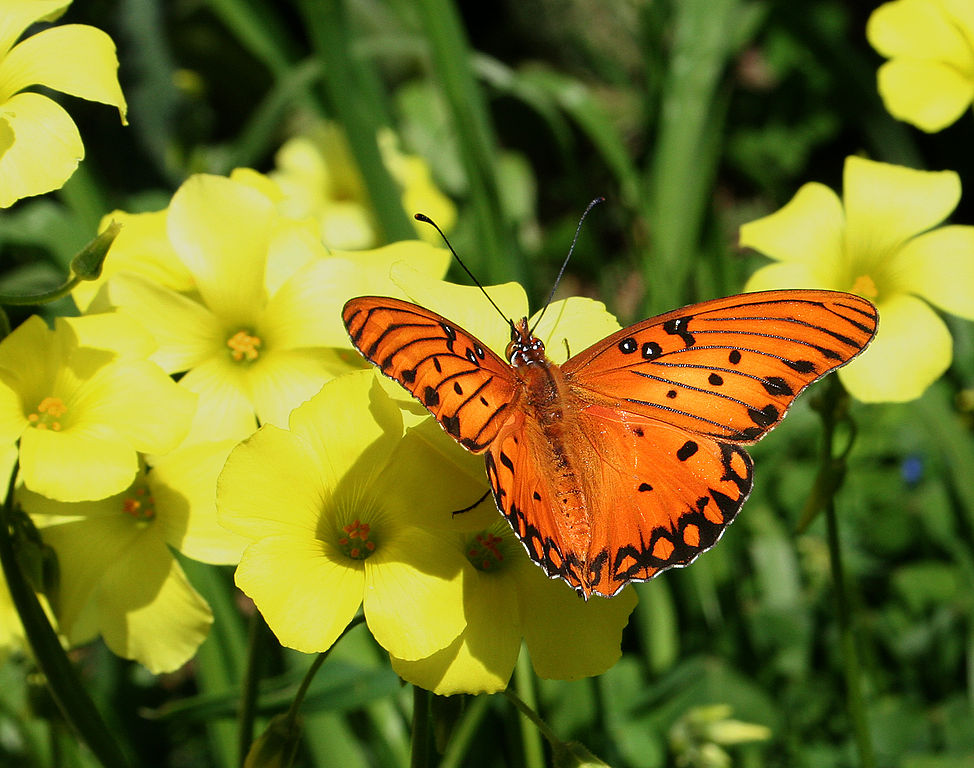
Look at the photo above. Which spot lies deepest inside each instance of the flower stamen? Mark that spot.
(484, 551)
(48, 414)
(356, 542)
(139, 504)
(244, 348)
(865, 286)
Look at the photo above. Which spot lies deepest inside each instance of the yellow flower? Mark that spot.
(261, 330)
(336, 508)
(929, 78)
(118, 577)
(39, 143)
(83, 401)
(318, 178)
(510, 599)
(882, 243)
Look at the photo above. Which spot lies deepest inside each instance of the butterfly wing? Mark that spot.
(467, 387)
(618, 498)
(727, 368)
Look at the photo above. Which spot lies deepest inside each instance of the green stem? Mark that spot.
(30, 299)
(358, 110)
(834, 410)
(420, 754)
(248, 696)
(455, 755)
(527, 702)
(66, 688)
(292, 712)
(452, 60)
(532, 716)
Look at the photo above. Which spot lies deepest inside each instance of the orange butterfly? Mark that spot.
(626, 459)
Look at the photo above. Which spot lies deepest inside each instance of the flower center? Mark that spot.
(48, 414)
(139, 504)
(865, 286)
(356, 542)
(484, 551)
(244, 348)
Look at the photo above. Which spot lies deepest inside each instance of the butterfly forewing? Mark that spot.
(727, 368)
(466, 386)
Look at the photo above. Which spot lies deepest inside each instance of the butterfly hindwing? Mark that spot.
(727, 368)
(466, 386)
(617, 498)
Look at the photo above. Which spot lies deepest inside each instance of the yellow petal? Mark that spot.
(414, 594)
(292, 246)
(183, 484)
(572, 325)
(808, 230)
(108, 331)
(221, 230)
(422, 257)
(74, 58)
(147, 609)
(351, 424)
(306, 598)
(186, 332)
(136, 400)
(78, 464)
(19, 14)
(223, 409)
(911, 350)
(40, 144)
(482, 659)
(939, 267)
(270, 485)
(887, 204)
(917, 29)
(567, 637)
(282, 380)
(928, 94)
(791, 275)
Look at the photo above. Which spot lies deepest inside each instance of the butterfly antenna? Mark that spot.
(564, 264)
(427, 220)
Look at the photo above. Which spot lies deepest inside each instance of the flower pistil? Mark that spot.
(48, 414)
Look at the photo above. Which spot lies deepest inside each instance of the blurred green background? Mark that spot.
(690, 117)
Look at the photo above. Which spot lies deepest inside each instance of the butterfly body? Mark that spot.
(627, 459)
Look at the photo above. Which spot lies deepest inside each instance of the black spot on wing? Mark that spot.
(775, 385)
(431, 398)
(764, 417)
(680, 327)
(687, 450)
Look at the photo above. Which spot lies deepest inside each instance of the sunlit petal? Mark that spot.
(939, 266)
(414, 594)
(254, 502)
(306, 597)
(78, 464)
(40, 147)
(888, 204)
(808, 230)
(929, 94)
(73, 58)
(187, 333)
(221, 230)
(911, 350)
